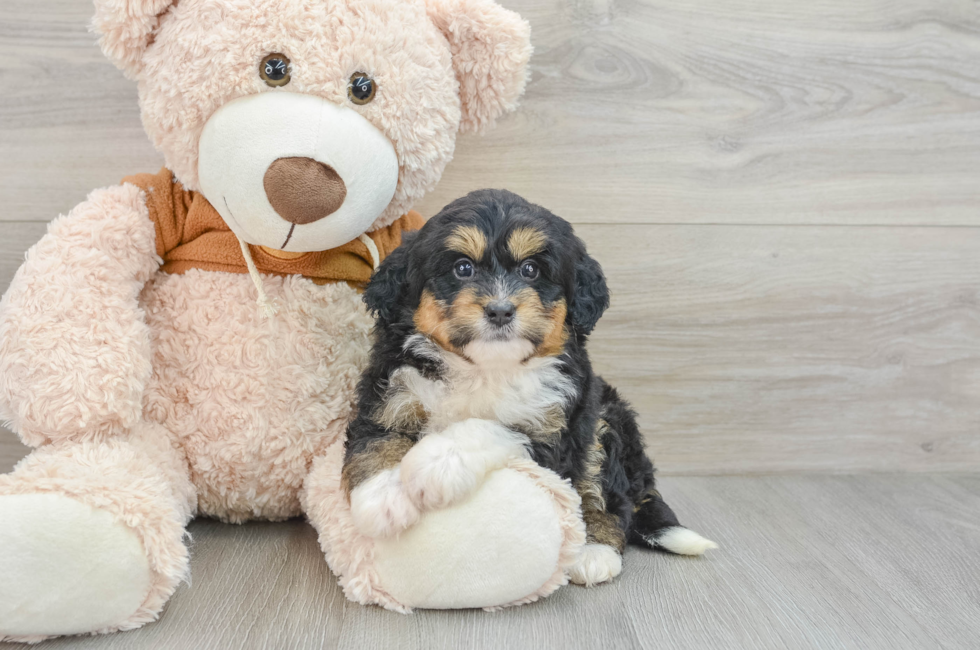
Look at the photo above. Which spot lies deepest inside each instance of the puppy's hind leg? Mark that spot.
(656, 525)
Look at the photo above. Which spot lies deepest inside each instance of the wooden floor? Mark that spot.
(874, 561)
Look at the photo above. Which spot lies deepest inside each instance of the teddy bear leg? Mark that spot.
(510, 542)
(91, 535)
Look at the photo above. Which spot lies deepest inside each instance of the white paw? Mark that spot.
(444, 468)
(437, 473)
(682, 541)
(598, 563)
(66, 568)
(380, 506)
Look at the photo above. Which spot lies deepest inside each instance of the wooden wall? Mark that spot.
(785, 197)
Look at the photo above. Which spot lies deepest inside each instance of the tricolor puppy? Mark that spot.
(480, 355)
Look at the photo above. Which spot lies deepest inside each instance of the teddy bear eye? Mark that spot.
(361, 88)
(274, 69)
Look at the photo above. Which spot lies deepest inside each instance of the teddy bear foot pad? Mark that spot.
(511, 566)
(68, 568)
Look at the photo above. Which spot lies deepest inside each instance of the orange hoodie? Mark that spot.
(192, 235)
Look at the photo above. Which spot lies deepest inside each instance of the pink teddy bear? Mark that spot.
(297, 135)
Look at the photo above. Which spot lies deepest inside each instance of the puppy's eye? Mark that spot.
(463, 269)
(361, 88)
(274, 69)
(529, 270)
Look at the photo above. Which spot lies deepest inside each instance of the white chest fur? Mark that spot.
(517, 395)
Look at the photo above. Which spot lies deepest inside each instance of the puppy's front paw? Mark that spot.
(437, 473)
(446, 467)
(380, 507)
(598, 563)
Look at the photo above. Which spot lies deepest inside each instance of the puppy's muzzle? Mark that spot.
(303, 190)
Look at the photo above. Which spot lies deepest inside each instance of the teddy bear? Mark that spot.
(187, 343)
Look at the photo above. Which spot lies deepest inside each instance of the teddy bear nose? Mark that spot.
(303, 190)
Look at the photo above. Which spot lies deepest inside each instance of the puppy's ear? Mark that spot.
(388, 284)
(491, 47)
(591, 296)
(126, 29)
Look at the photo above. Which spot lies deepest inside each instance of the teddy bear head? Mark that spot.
(308, 122)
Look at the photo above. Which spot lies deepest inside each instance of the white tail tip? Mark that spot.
(682, 541)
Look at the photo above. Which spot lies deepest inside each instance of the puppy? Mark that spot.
(480, 356)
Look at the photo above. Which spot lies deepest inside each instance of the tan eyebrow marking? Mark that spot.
(525, 242)
(468, 240)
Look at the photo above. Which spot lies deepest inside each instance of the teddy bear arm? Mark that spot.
(74, 345)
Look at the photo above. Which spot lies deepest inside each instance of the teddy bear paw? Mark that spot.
(444, 468)
(380, 507)
(66, 568)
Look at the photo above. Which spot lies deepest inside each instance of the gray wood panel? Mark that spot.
(11, 450)
(647, 111)
(761, 349)
(69, 121)
(782, 349)
(748, 111)
(815, 562)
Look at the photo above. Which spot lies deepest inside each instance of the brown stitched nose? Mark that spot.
(303, 190)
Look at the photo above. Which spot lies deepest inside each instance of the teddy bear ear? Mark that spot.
(491, 47)
(126, 29)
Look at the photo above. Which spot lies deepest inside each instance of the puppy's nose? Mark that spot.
(303, 190)
(500, 312)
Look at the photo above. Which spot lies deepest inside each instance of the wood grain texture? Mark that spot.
(11, 450)
(639, 111)
(752, 111)
(781, 349)
(805, 562)
(69, 120)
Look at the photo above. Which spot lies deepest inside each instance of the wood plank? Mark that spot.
(920, 546)
(777, 570)
(642, 112)
(762, 349)
(783, 349)
(11, 450)
(801, 565)
(75, 126)
(755, 112)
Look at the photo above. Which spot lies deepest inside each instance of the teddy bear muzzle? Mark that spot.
(295, 172)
